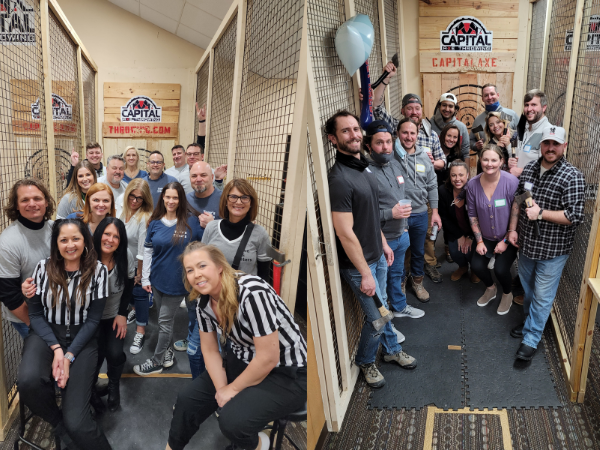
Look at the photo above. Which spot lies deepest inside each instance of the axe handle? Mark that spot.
(536, 225)
(382, 309)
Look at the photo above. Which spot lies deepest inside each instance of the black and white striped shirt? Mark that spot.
(77, 313)
(260, 312)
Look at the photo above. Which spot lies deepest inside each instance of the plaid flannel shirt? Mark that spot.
(423, 139)
(562, 187)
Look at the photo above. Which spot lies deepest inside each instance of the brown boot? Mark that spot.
(488, 296)
(448, 257)
(458, 273)
(420, 292)
(403, 285)
(474, 278)
(518, 300)
(505, 304)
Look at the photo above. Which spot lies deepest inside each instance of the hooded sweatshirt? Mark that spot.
(528, 149)
(420, 180)
(390, 180)
(438, 124)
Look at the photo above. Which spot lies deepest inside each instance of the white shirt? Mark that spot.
(116, 192)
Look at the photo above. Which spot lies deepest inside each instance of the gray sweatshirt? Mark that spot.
(438, 124)
(420, 180)
(390, 180)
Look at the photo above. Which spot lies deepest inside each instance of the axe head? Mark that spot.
(380, 323)
(476, 130)
(395, 60)
(523, 197)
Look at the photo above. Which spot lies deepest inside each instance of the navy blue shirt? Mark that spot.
(156, 186)
(166, 272)
(208, 204)
(141, 174)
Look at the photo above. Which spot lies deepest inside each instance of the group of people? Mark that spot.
(122, 236)
(399, 181)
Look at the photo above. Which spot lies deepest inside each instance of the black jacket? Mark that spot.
(447, 212)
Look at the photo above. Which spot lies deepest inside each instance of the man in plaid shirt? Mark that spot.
(558, 191)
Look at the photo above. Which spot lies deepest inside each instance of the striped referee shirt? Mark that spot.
(83, 315)
(562, 187)
(260, 312)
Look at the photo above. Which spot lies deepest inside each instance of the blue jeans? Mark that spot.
(459, 257)
(540, 280)
(369, 337)
(194, 353)
(417, 231)
(395, 273)
(141, 301)
(21, 328)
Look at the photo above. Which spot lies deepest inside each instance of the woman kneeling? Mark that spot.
(262, 374)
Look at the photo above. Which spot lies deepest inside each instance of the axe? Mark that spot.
(478, 129)
(386, 316)
(385, 72)
(528, 199)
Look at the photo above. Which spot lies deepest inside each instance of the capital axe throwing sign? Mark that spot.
(17, 22)
(466, 34)
(593, 36)
(61, 110)
(141, 109)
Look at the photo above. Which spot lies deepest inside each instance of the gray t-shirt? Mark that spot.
(115, 292)
(20, 250)
(208, 204)
(256, 249)
(66, 206)
(183, 176)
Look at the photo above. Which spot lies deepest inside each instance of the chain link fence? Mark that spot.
(536, 44)
(392, 38)
(89, 100)
(371, 9)
(202, 89)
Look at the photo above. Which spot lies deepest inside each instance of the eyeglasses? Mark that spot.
(133, 198)
(155, 163)
(196, 154)
(234, 198)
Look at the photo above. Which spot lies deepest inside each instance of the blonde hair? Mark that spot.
(227, 303)
(488, 132)
(145, 210)
(131, 147)
(94, 189)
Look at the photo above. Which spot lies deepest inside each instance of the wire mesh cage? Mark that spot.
(559, 54)
(222, 94)
(89, 100)
(536, 44)
(202, 89)
(583, 152)
(371, 9)
(23, 146)
(392, 38)
(268, 96)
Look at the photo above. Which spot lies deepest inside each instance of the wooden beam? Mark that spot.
(527, 45)
(81, 102)
(153, 90)
(402, 55)
(519, 81)
(504, 27)
(45, 29)
(546, 40)
(467, 62)
(211, 63)
(384, 53)
(573, 66)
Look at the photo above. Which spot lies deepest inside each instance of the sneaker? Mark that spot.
(458, 273)
(138, 343)
(488, 296)
(505, 304)
(400, 338)
(131, 317)
(169, 358)
(181, 346)
(404, 360)
(448, 257)
(182, 304)
(420, 292)
(433, 273)
(372, 375)
(148, 368)
(411, 312)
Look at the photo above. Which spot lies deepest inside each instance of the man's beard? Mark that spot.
(536, 119)
(417, 122)
(200, 189)
(343, 147)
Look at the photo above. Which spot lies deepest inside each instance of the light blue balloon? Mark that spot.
(354, 41)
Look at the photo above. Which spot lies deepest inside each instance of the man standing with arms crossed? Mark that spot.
(558, 191)
(362, 249)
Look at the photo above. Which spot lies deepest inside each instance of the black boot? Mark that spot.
(114, 377)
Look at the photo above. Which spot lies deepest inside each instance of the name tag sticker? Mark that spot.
(527, 148)
(500, 202)
(528, 186)
(159, 190)
(400, 179)
(427, 149)
(420, 168)
(367, 169)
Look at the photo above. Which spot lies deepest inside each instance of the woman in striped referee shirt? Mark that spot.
(72, 276)
(262, 374)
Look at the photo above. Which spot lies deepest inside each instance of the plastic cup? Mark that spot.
(404, 202)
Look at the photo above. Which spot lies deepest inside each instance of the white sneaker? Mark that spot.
(182, 304)
(409, 311)
(400, 337)
(138, 343)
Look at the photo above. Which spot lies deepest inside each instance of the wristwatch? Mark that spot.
(540, 214)
(70, 357)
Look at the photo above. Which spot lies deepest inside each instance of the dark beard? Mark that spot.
(417, 122)
(344, 148)
(538, 116)
(200, 189)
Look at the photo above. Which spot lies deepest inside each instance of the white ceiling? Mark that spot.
(196, 21)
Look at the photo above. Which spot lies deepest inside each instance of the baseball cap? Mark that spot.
(553, 133)
(448, 97)
(378, 126)
(411, 98)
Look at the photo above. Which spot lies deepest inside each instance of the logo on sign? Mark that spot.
(141, 109)
(593, 36)
(466, 34)
(17, 22)
(61, 110)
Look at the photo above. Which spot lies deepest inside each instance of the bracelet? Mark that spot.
(480, 242)
(385, 84)
(57, 348)
(202, 121)
(509, 231)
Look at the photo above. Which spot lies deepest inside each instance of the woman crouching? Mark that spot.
(262, 373)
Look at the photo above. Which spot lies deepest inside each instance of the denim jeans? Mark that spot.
(459, 257)
(417, 231)
(141, 301)
(22, 328)
(540, 280)
(395, 273)
(193, 350)
(369, 337)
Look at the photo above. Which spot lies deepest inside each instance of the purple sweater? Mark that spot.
(493, 214)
